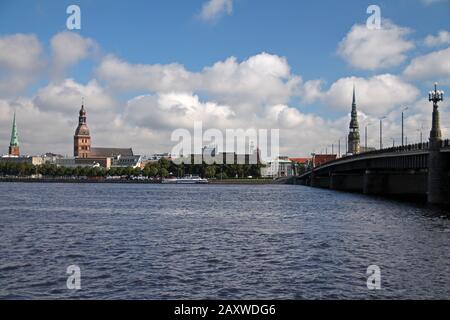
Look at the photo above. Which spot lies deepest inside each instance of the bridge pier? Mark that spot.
(346, 182)
(374, 183)
(401, 183)
(320, 181)
(438, 179)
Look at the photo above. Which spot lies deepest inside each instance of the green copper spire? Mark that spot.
(14, 136)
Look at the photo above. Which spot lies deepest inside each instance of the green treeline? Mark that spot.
(161, 168)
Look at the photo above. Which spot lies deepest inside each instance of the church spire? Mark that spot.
(14, 143)
(353, 136)
(354, 122)
(14, 136)
(354, 96)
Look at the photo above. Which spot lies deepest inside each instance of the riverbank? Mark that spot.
(136, 181)
(242, 181)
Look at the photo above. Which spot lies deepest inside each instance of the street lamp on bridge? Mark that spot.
(403, 111)
(420, 130)
(381, 132)
(365, 137)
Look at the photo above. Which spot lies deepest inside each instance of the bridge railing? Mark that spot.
(400, 149)
(409, 147)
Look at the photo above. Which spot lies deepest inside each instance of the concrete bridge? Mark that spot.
(401, 171)
(417, 170)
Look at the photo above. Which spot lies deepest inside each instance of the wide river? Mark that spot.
(135, 241)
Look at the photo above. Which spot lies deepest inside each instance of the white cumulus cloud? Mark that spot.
(21, 61)
(263, 78)
(433, 66)
(213, 9)
(368, 49)
(175, 110)
(68, 48)
(442, 38)
(65, 97)
(376, 95)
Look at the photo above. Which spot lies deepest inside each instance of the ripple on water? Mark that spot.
(230, 242)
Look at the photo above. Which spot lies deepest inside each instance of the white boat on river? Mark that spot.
(185, 180)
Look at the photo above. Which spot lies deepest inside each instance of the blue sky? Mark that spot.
(306, 35)
(169, 31)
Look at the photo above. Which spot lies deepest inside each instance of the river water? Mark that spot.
(134, 241)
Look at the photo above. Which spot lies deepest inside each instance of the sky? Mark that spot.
(147, 68)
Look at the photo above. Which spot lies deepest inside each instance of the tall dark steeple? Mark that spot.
(353, 136)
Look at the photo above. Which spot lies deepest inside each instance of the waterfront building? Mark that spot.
(212, 155)
(301, 164)
(51, 158)
(219, 158)
(84, 162)
(125, 161)
(301, 161)
(353, 136)
(119, 161)
(158, 156)
(320, 159)
(34, 160)
(277, 168)
(154, 158)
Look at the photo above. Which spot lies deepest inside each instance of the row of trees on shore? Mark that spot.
(162, 168)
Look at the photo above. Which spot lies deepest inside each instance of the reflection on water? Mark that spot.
(234, 242)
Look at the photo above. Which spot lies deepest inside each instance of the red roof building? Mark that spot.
(303, 161)
(320, 159)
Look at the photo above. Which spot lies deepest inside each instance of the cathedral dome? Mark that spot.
(82, 130)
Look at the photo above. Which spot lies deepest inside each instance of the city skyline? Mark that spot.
(138, 94)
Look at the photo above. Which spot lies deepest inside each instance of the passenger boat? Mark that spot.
(186, 180)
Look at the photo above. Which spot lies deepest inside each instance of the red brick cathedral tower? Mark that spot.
(82, 138)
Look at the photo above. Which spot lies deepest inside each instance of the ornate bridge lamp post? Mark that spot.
(435, 97)
(438, 182)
